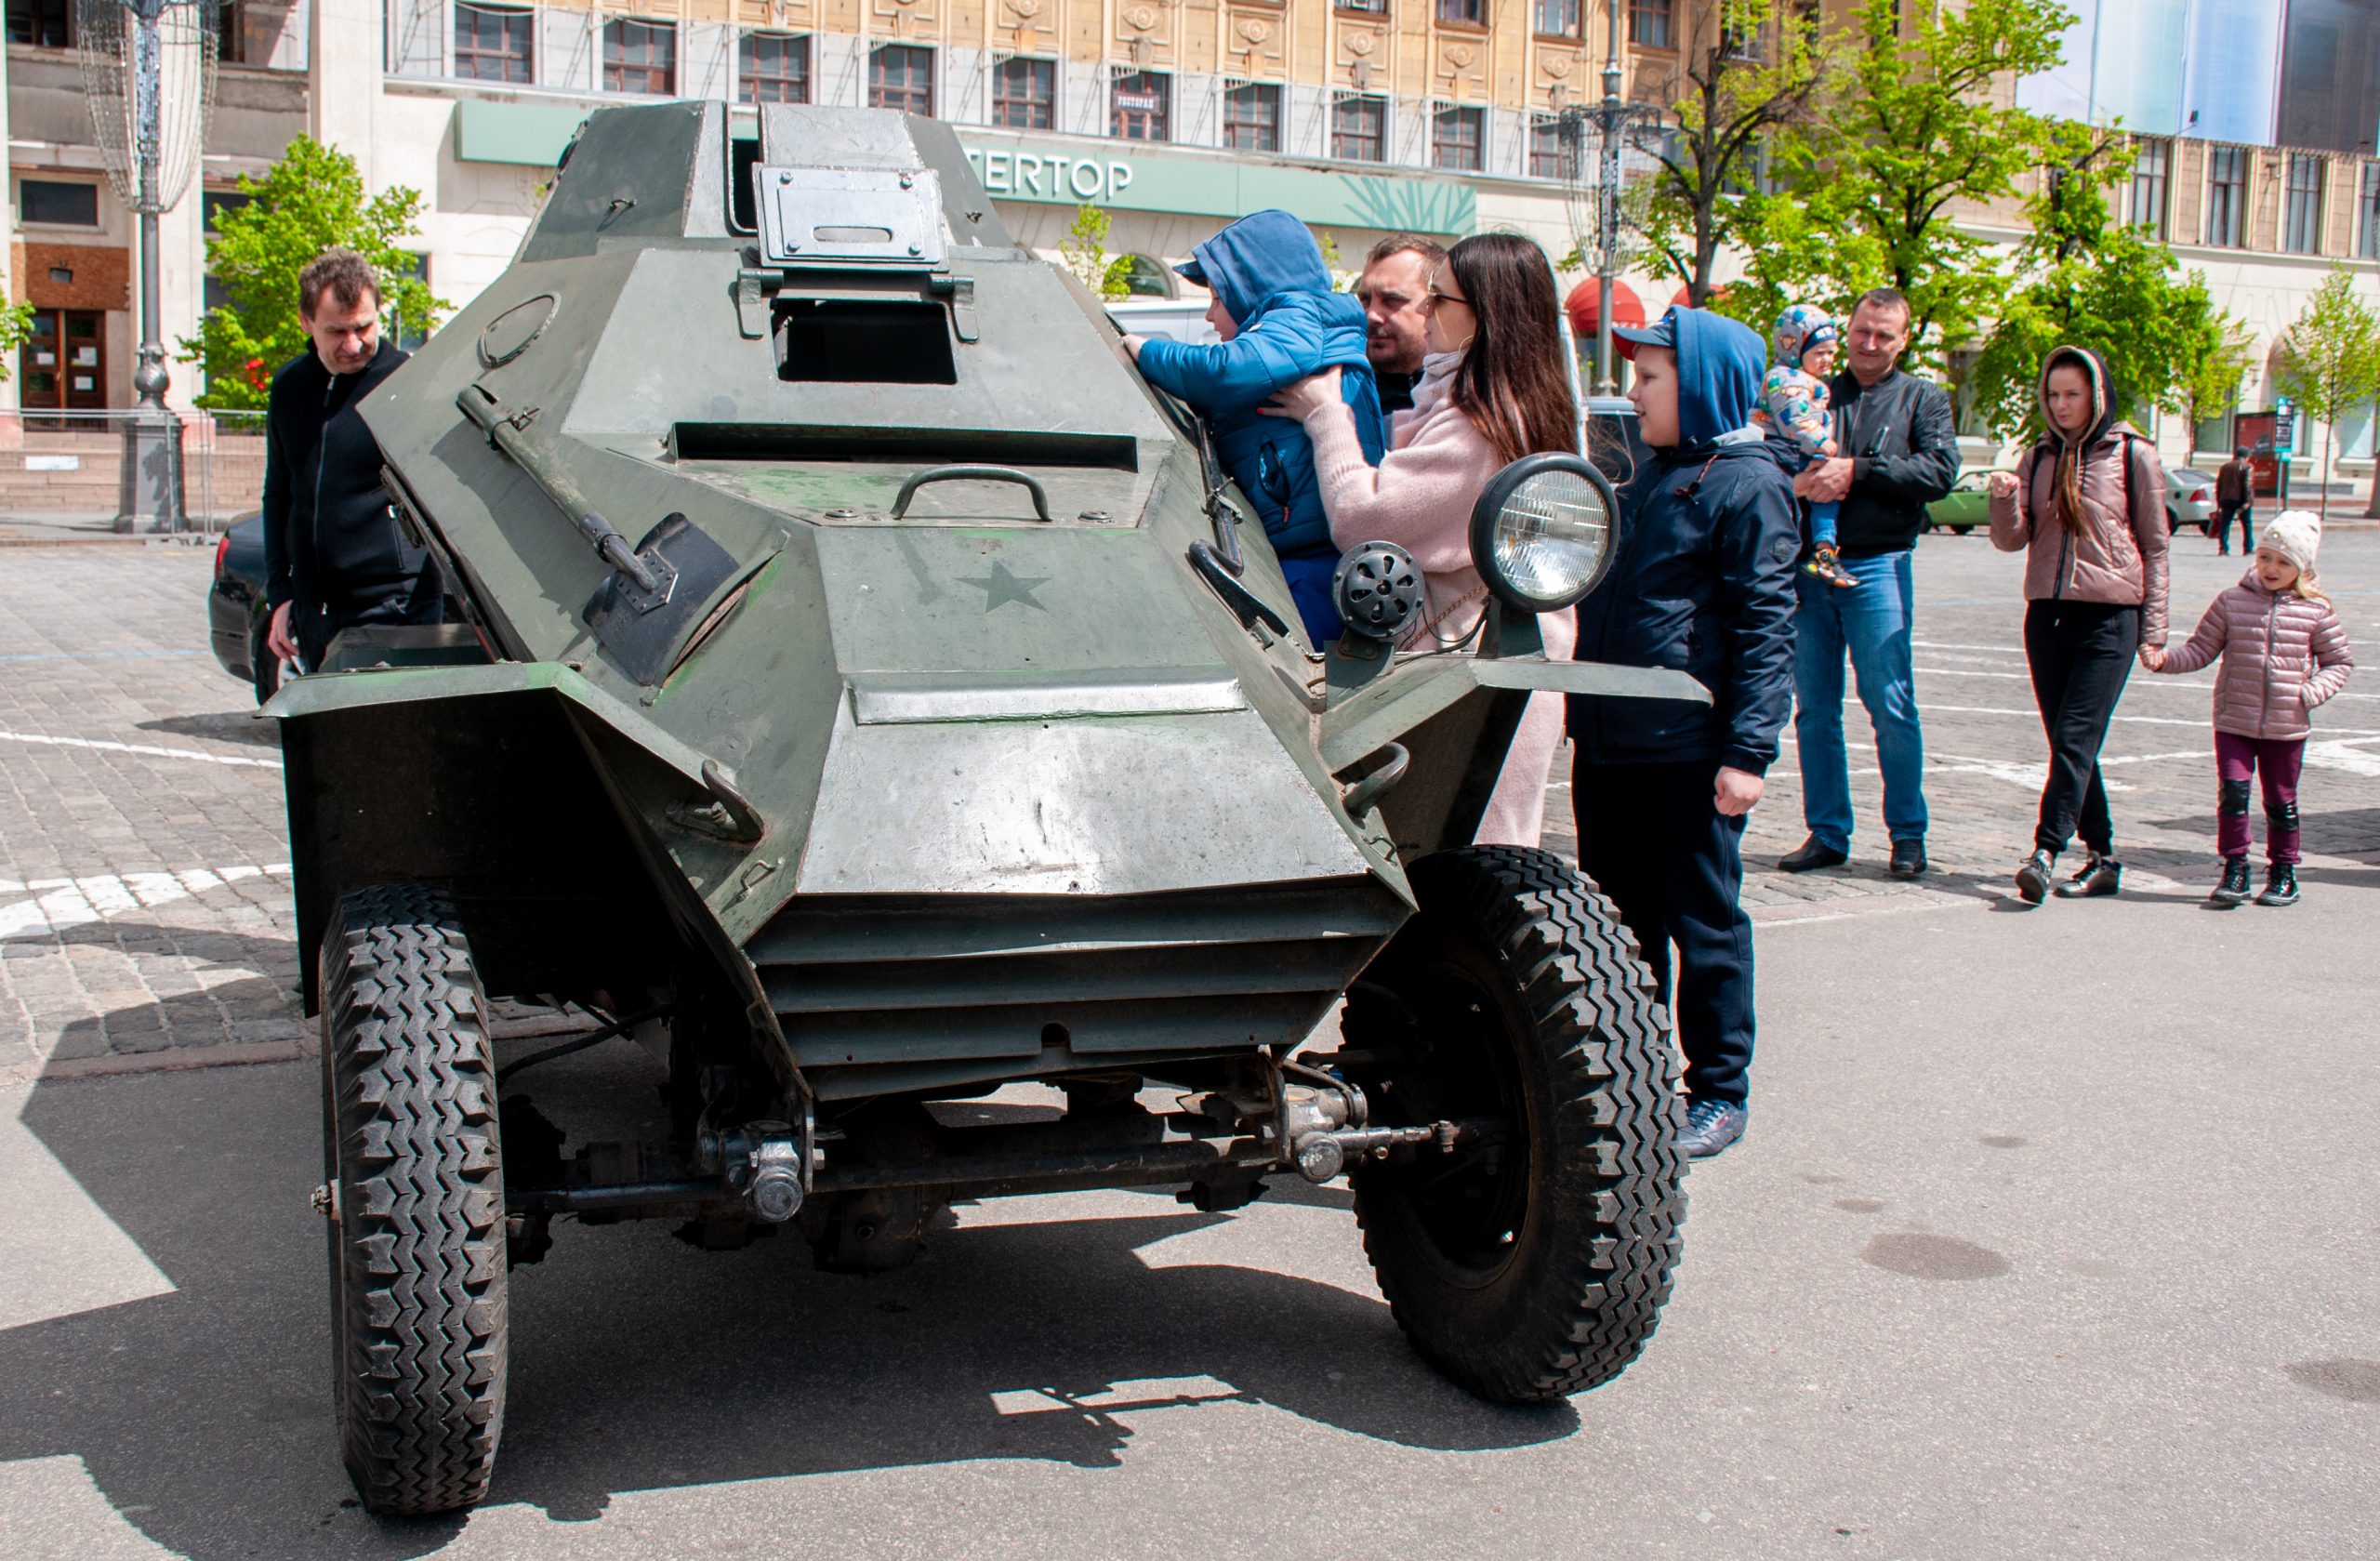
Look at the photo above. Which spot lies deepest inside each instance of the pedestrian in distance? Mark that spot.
(1898, 453)
(2086, 506)
(1795, 399)
(1394, 291)
(1493, 388)
(1279, 322)
(2281, 651)
(2235, 494)
(1703, 583)
(335, 555)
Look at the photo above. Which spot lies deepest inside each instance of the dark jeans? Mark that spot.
(1652, 838)
(2080, 653)
(1872, 624)
(2277, 763)
(2247, 513)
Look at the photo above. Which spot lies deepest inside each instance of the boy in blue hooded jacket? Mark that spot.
(1703, 583)
(1280, 322)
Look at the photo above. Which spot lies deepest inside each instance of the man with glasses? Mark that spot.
(1899, 452)
(1394, 291)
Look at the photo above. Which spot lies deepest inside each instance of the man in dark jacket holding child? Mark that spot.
(1704, 584)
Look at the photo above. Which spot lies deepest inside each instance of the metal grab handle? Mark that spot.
(972, 474)
(1360, 797)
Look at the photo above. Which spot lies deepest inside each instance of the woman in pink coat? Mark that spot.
(2282, 651)
(1492, 390)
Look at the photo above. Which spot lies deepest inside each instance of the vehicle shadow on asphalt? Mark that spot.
(203, 1415)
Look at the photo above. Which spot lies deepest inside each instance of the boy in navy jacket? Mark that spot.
(1703, 583)
(1280, 322)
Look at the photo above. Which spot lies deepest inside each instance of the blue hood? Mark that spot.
(1719, 366)
(1262, 254)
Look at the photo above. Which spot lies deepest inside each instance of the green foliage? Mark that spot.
(1084, 252)
(312, 200)
(1727, 101)
(2329, 358)
(16, 329)
(2101, 285)
(1909, 127)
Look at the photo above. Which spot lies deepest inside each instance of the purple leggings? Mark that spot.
(2277, 762)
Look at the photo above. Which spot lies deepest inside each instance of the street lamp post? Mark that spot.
(1613, 119)
(149, 72)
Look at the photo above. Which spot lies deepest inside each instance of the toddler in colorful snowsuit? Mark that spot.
(1794, 397)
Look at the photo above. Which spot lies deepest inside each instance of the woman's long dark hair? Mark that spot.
(1511, 384)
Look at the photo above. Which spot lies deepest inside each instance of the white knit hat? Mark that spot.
(2296, 534)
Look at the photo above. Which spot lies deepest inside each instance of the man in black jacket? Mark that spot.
(1703, 583)
(335, 555)
(1899, 452)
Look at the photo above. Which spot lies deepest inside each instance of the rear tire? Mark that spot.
(1535, 1268)
(417, 1250)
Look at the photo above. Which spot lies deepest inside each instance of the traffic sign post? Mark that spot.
(2284, 440)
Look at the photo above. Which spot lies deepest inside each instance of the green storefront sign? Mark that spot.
(1074, 172)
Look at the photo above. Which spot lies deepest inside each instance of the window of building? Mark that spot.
(1252, 116)
(1140, 106)
(231, 32)
(640, 57)
(1550, 153)
(1024, 93)
(2301, 214)
(410, 335)
(492, 43)
(55, 200)
(1463, 13)
(216, 205)
(900, 76)
(42, 23)
(2368, 213)
(1360, 129)
(2226, 196)
(2151, 161)
(772, 68)
(1372, 8)
(1649, 23)
(1459, 138)
(1554, 19)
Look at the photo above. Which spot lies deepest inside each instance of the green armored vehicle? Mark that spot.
(872, 697)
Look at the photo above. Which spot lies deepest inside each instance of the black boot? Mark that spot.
(2033, 875)
(2234, 887)
(2281, 883)
(2095, 879)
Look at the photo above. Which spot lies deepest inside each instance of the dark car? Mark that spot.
(235, 608)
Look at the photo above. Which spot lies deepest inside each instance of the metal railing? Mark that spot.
(65, 468)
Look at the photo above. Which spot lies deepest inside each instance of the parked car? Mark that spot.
(1182, 320)
(2190, 499)
(235, 608)
(1964, 507)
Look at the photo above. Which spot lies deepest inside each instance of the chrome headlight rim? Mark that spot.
(1490, 509)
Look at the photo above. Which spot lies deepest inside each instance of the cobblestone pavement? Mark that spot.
(145, 910)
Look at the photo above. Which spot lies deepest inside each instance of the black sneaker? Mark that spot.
(2033, 875)
(2099, 876)
(2281, 883)
(1710, 1126)
(1909, 859)
(1813, 854)
(2233, 890)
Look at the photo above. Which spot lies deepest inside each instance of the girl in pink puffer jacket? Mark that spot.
(2282, 651)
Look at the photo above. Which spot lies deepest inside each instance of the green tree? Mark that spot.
(1910, 127)
(1749, 69)
(312, 200)
(2330, 359)
(2098, 284)
(1084, 252)
(2212, 351)
(16, 329)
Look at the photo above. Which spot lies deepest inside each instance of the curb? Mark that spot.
(232, 1054)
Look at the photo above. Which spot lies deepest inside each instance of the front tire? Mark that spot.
(1533, 1266)
(417, 1243)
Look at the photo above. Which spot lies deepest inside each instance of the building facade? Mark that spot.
(1174, 116)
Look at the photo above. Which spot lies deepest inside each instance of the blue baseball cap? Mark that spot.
(1660, 332)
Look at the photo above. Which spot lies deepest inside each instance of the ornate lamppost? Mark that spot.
(1613, 120)
(149, 77)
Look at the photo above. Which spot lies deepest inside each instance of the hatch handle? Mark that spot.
(967, 473)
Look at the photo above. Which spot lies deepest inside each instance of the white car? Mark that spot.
(2190, 499)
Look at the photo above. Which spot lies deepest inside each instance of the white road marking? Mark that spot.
(61, 902)
(152, 751)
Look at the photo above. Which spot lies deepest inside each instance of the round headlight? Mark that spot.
(1544, 531)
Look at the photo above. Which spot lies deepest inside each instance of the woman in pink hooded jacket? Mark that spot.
(1492, 390)
(2282, 651)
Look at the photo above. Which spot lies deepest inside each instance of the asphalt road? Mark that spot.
(2055, 1234)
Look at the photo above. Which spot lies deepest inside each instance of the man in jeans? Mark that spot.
(1899, 452)
(2235, 494)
